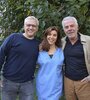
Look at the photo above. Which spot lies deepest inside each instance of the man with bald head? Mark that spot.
(18, 56)
(76, 48)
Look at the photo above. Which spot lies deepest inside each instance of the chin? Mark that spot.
(71, 36)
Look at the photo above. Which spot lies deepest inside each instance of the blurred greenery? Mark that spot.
(49, 13)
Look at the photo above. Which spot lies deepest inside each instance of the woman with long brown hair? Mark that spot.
(49, 81)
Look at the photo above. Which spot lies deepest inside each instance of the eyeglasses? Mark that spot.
(29, 25)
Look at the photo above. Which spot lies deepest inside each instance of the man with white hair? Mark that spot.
(18, 56)
(76, 48)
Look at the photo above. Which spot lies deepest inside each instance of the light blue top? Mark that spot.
(49, 80)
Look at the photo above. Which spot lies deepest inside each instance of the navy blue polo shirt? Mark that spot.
(75, 67)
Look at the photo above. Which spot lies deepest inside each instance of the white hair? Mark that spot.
(32, 17)
(69, 18)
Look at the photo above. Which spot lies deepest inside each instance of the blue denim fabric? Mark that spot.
(10, 90)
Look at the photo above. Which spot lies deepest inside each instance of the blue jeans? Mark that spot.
(11, 90)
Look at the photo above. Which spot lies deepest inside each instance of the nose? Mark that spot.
(52, 36)
(30, 26)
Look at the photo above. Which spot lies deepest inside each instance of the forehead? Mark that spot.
(53, 32)
(69, 21)
(30, 21)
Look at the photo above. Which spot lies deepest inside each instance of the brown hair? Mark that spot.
(44, 44)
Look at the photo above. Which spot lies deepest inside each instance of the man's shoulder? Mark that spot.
(14, 34)
(83, 36)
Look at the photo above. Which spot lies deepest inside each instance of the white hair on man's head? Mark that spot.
(32, 17)
(69, 18)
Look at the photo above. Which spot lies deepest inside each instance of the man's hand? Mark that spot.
(86, 79)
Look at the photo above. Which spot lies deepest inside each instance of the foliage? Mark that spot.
(49, 12)
(12, 15)
(78, 8)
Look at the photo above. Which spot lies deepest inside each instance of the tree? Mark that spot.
(49, 12)
(78, 8)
